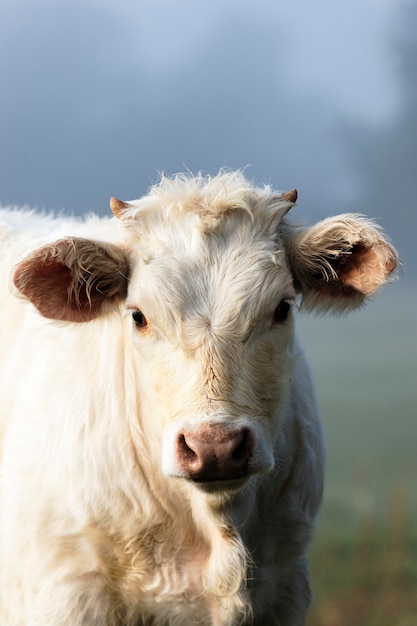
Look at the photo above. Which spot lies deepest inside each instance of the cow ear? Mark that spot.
(73, 279)
(340, 261)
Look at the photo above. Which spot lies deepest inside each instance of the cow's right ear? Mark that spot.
(73, 279)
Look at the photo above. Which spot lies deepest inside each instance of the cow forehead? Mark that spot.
(183, 269)
(178, 211)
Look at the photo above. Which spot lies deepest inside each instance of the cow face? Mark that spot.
(212, 325)
(206, 284)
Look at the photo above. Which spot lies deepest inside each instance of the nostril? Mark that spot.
(240, 453)
(243, 450)
(186, 451)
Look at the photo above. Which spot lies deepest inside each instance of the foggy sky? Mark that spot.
(97, 97)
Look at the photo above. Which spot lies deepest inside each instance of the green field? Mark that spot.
(369, 577)
(364, 556)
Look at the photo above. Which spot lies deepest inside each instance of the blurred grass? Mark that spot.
(364, 555)
(370, 578)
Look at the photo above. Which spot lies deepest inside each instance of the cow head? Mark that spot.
(206, 286)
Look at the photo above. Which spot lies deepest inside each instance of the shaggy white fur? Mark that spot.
(171, 322)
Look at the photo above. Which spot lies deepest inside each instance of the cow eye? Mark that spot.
(139, 319)
(281, 312)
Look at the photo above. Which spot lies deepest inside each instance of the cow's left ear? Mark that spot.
(340, 261)
(73, 279)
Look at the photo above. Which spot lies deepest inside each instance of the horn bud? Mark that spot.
(289, 196)
(118, 207)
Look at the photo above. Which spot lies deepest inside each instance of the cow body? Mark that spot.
(162, 452)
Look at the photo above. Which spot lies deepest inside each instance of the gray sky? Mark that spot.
(97, 96)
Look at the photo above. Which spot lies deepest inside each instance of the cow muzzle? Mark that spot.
(217, 453)
(213, 453)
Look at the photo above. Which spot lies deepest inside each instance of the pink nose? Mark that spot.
(214, 452)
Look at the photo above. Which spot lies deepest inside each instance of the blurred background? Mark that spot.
(97, 97)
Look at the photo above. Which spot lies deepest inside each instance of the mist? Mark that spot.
(96, 100)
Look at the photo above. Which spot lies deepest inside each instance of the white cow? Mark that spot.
(162, 451)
